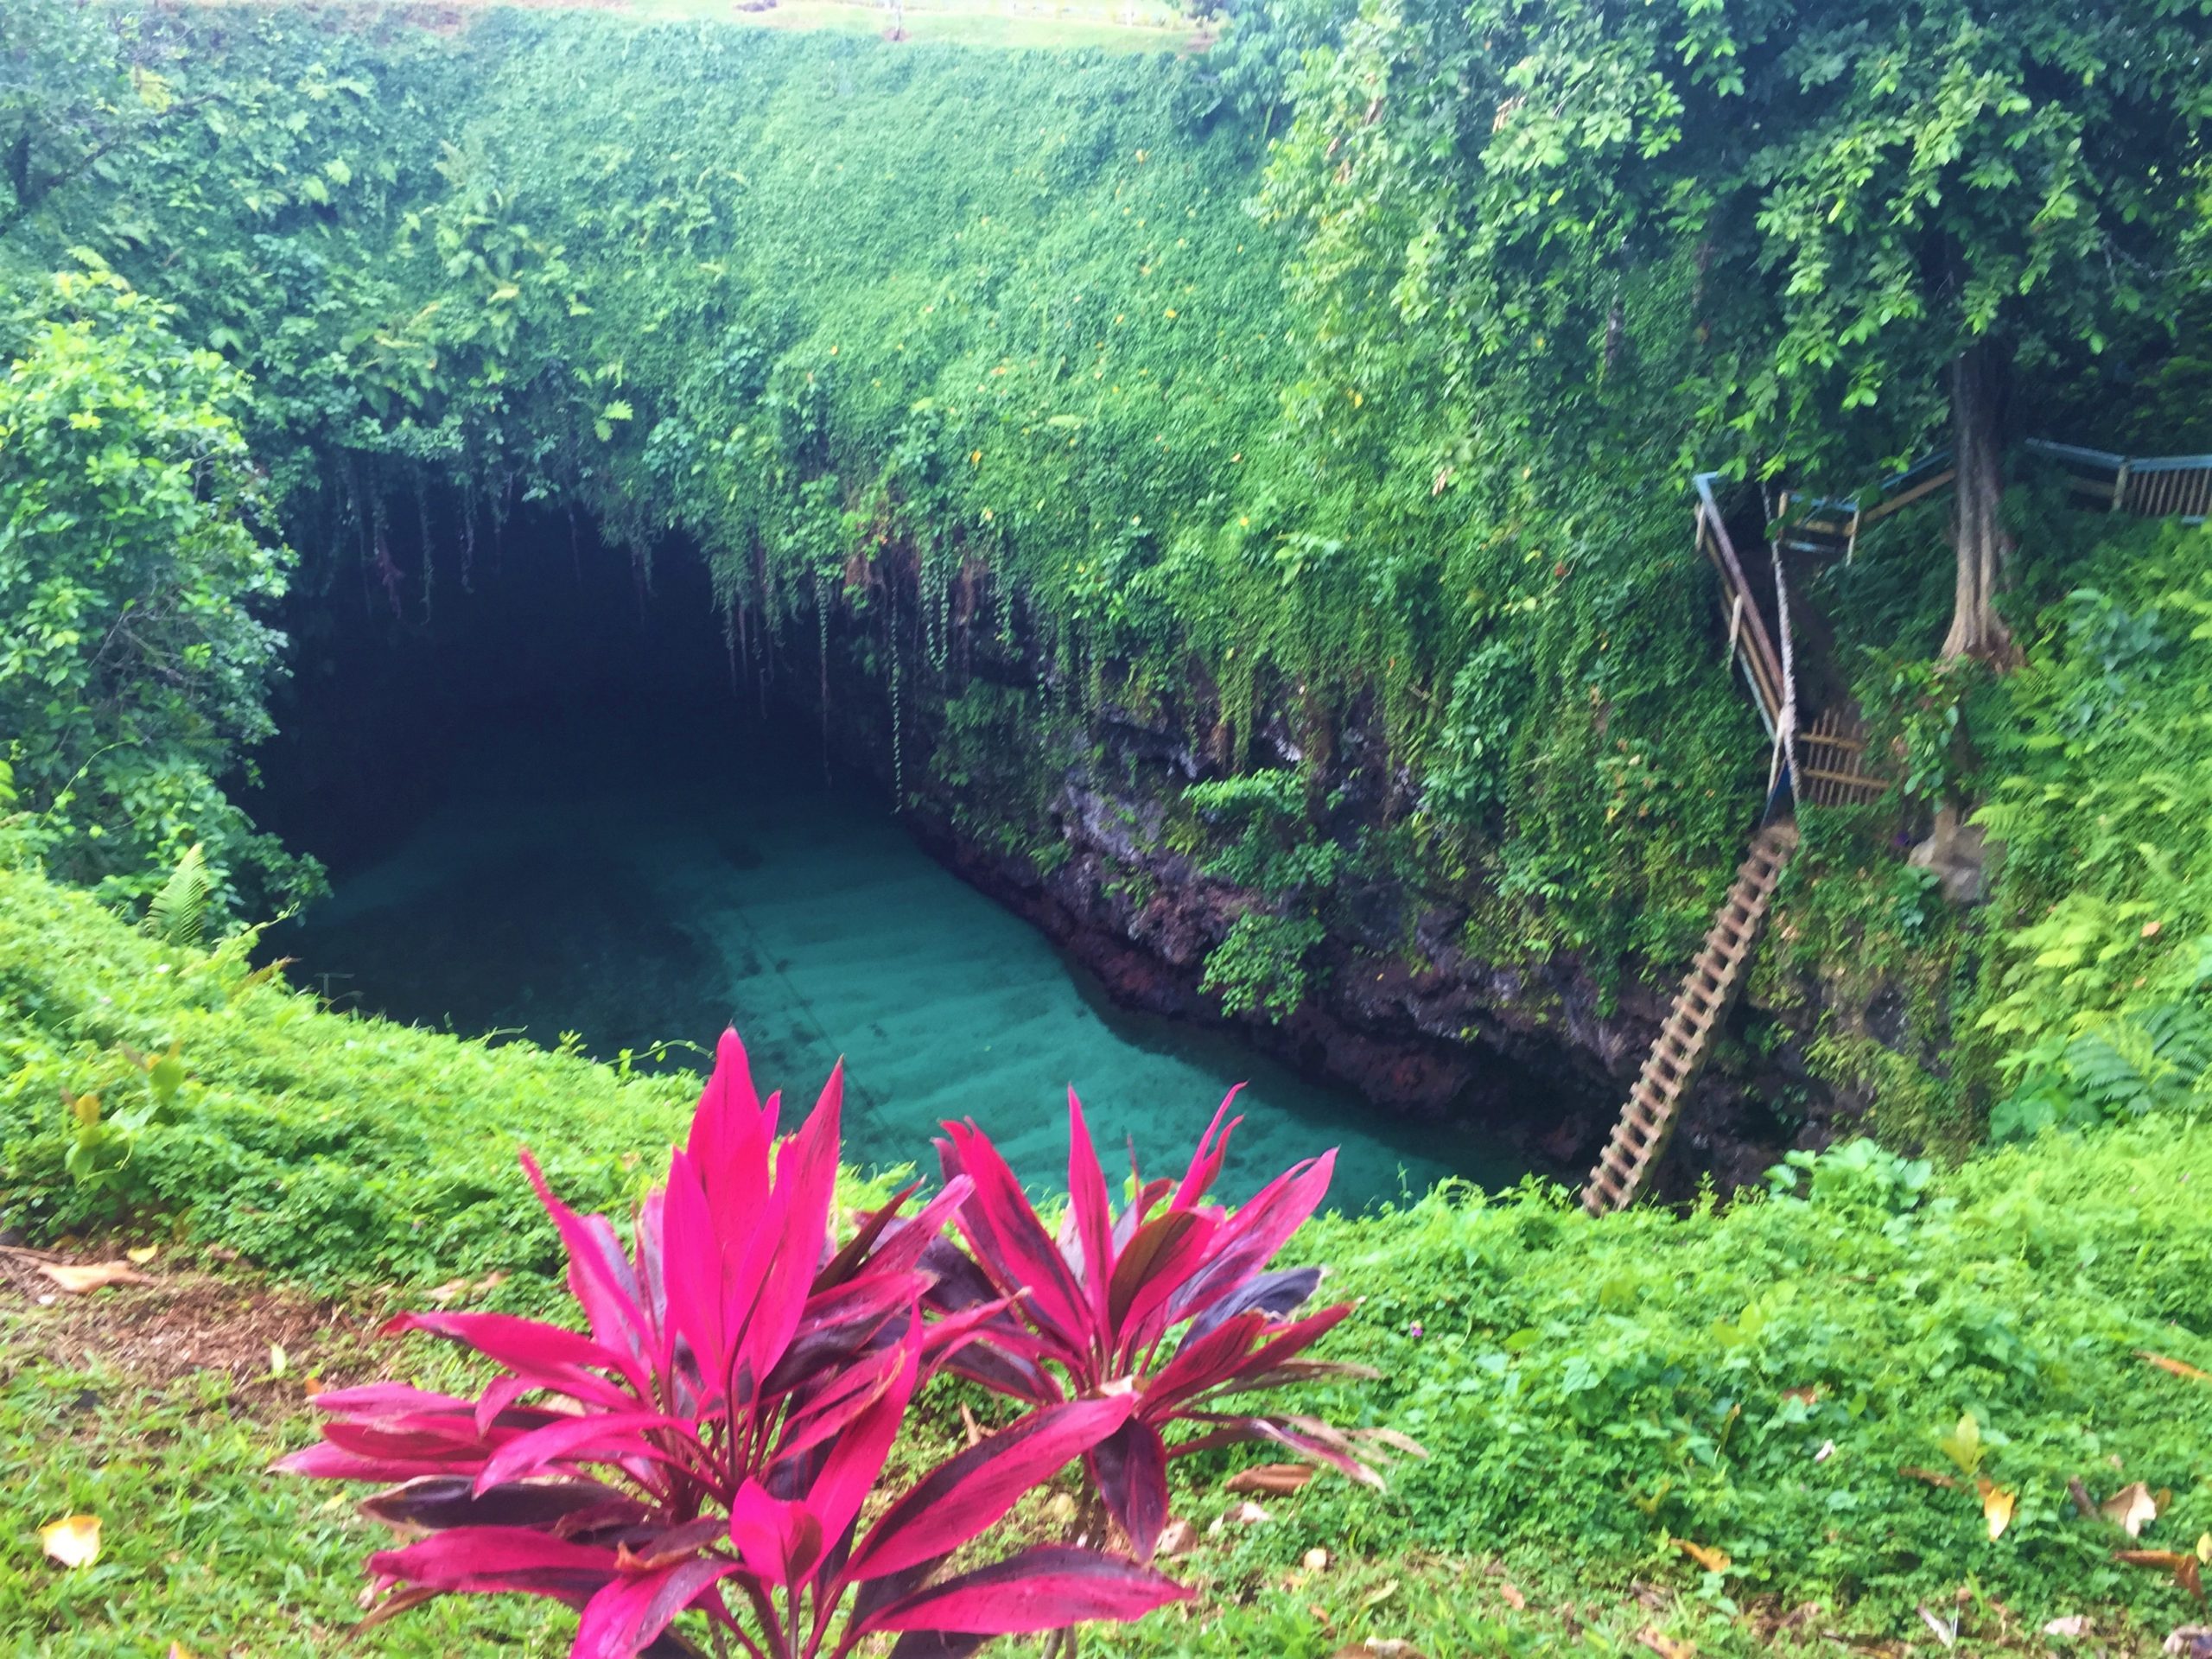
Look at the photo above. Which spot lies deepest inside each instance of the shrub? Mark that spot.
(134, 667)
(1092, 1312)
(723, 1426)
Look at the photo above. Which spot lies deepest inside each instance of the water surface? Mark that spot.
(568, 881)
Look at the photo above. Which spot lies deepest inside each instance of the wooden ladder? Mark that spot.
(1687, 1038)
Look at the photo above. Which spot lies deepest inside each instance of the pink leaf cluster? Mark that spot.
(1169, 1298)
(713, 1438)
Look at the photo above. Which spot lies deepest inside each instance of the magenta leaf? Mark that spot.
(1130, 1467)
(1042, 1588)
(709, 1444)
(1172, 1298)
(971, 1490)
(626, 1616)
(486, 1560)
(596, 1435)
(1091, 1213)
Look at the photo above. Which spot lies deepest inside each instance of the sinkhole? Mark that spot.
(547, 813)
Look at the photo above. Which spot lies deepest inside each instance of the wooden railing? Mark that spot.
(1748, 642)
(2148, 486)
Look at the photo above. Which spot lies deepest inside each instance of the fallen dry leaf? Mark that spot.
(2130, 1509)
(1383, 1648)
(2194, 1641)
(1664, 1645)
(1316, 1559)
(1997, 1505)
(140, 1257)
(2179, 1367)
(2187, 1570)
(443, 1293)
(1946, 1630)
(2073, 1625)
(1514, 1598)
(1712, 1560)
(92, 1275)
(1934, 1478)
(73, 1540)
(1177, 1538)
(1271, 1478)
(1247, 1514)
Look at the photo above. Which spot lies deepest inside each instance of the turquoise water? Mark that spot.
(567, 883)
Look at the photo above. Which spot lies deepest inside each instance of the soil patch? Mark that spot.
(267, 1339)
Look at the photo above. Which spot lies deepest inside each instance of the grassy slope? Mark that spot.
(1588, 1388)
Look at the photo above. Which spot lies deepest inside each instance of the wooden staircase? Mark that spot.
(1687, 1038)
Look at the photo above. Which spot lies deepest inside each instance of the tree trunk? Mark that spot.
(1984, 551)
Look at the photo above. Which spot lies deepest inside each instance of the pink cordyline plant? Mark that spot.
(1170, 1298)
(711, 1444)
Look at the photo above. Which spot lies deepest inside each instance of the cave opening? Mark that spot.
(549, 809)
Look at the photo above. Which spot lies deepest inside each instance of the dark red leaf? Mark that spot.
(482, 1560)
(436, 1503)
(1130, 1467)
(1043, 1588)
(969, 1491)
(625, 1617)
(1278, 1294)
(1010, 1245)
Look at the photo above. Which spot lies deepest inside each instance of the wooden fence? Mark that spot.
(2152, 487)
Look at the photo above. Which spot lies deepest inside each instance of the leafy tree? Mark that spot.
(78, 83)
(132, 665)
(1886, 204)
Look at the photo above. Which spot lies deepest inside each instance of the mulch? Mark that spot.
(181, 1320)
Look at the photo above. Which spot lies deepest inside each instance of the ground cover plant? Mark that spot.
(1589, 1392)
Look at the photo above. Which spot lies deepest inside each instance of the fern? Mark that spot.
(178, 913)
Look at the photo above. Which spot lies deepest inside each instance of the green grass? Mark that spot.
(1589, 1390)
(334, 1150)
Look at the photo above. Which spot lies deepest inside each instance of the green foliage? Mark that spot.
(1596, 1388)
(1916, 711)
(1588, 1389)
(980, 345)
(2104, 787)
(1866, 190)
(135, 666)
(1260, 964)
(1331, 396)
(176, 914)
(173, 1085)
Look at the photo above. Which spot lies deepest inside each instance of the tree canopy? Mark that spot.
(1871, 210)
(132, 566)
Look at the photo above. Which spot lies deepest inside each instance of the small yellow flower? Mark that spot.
(1171, 312)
